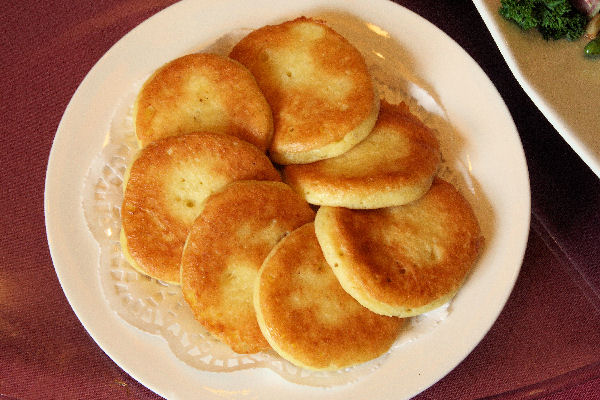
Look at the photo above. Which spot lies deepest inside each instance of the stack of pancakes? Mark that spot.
(236, 155)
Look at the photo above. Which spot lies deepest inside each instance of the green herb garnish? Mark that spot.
(555, 19)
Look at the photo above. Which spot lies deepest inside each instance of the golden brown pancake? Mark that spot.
(203, 92)
(318, 85)
(307, 317)
(226, 247)
(394, 165)
(403, 260)
(164, 190)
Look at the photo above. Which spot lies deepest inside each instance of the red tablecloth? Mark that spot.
(545, 344)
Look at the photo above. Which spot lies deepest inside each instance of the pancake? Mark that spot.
(318, 85)
(403, 260)
(203, 92)
(165, 187)
(307, 317)
(394, 165)
(226, 247)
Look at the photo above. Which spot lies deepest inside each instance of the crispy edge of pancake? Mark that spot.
(203, 136)
(366, 283)
(243, 344)
(218, 63)
(376, 333)
(123, 237)
(383, 189)
(334, 149)
(134, 264)
(249, 50)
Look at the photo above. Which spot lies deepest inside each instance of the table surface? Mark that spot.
(545, 343)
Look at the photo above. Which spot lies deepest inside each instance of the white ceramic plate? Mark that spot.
(559, 79)
(490, 149)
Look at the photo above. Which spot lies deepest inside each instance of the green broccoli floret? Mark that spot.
(555, 19)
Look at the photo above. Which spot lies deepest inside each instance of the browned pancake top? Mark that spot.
(308, 318)
(203, 92)
(226, 247)
(407, 256)
(394, 164)
(165, 189)
(316, 82)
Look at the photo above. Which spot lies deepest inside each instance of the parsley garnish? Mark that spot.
(554, 19)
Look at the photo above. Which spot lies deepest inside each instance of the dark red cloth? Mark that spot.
(545, 344)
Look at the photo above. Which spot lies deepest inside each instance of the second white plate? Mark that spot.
(559, 79)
